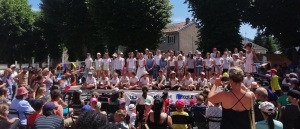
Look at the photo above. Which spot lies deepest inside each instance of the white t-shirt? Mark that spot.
(90, 80)
(248, 82)
(145, 56)
(106, 63)
(124, 79)
(13, 75)
(157, 59)
(202, 82)
(131, 63)
(114, 80)
(227, 61)
(212, 55)
(218, 61)
(103, 81)
(88, 62)
(98, 62)
(188, 81)
(173, 81)
(144, 81)
(119, 63)
(208, 62)
(133, 79)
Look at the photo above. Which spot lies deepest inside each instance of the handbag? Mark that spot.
(251, 113)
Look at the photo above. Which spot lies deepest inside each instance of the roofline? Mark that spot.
(191, 23)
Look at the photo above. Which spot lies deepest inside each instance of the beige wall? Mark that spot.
(165, 46)
(188, 36)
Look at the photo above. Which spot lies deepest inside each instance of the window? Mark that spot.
(171, 39)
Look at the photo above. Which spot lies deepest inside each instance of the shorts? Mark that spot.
(150, 72)
(105, 67)
(98, 68)
(217, 70)
(208, 70)
(198, 70)
(66, 110)
(190, 70)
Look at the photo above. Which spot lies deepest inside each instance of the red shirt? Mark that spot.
(167, 103)
(31, 118)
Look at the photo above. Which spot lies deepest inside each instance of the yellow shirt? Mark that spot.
(22, 79)
(274, 83)
(179, 126)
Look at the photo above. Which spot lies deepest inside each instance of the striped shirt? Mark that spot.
(49, 122)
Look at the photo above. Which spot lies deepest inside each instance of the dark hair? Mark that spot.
(47, 112)
(76, 97)
(165, 94)
(144, 90)
(39, 77)
(248, 45)
(114, 97)
(20, 97)
(158, 105)
(54, 94)
(285, 88)
(38, 104)
(270, 120)
(54, 87)
(91, 120)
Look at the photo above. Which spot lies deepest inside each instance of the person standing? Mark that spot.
(98, 63)
(12, 77)
(141, 65)
(290, 111)
(267, 110)
(119, 63)
(156, 67)
(8, 81)
(250, 55)
(88, 64)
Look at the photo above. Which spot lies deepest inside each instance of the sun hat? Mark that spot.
(179, 55)
(294, 94)
(115, 90)
(131, 107)
(90, 73)
(86, 108)
(145, 73)
(93, 100)
(22, 91)
(13, 66)
(148, 102)
(180, 103)
(115, 55)
(49, 106)
(98, 53)
(172, 72)
(293, 75)
(267, 107)
(202, 73)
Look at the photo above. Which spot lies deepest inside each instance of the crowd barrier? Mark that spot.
(135, 94)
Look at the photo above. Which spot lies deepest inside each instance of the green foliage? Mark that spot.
(267, 42)
(219, 22)
(73, 24)
(134, 24)
(279, 18)
(16, 30)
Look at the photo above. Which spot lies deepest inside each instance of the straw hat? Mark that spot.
(172, 72)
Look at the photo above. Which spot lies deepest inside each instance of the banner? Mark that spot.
(173, 96)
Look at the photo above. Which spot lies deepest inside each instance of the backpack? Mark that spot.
(198, 112)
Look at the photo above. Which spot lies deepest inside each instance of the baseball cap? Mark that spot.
(131, 107)
(49, 106)
(148, 102)
(88, 54)
(202, 73)
(132, 101)
(93, 100)
(294, 81)
(122, 101)
(192, 102)
(180, 103)
(115, 90)
(265, 83)
(90, 73)
(214, 49)
(267, 107)
(86, 108)
(294, 94)
(272, 71)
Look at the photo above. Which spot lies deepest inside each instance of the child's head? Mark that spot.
(192, 102)
(285, 88)
(200, 99)
(4, 110)
(172, 74)
(115, 75)
(119, 115)
(122, 103)
(180, 104)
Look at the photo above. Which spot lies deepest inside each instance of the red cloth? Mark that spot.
(73, 83)
(167, 103)
(31, 118)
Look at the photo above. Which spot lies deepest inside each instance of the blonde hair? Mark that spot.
(236, 74)
(3, 108)
(3, 93)
(40, 93)
(99, 106)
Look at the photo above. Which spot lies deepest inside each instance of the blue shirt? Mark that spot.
(264, 125)
(8, 82)
(22, 106)
(163, 63)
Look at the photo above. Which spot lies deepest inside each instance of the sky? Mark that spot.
(180, 13)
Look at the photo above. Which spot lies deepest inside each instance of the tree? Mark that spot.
(74, 26)
(267, 42)
(134, 24)
(16, 27)
(278, 18)
(219, 22)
